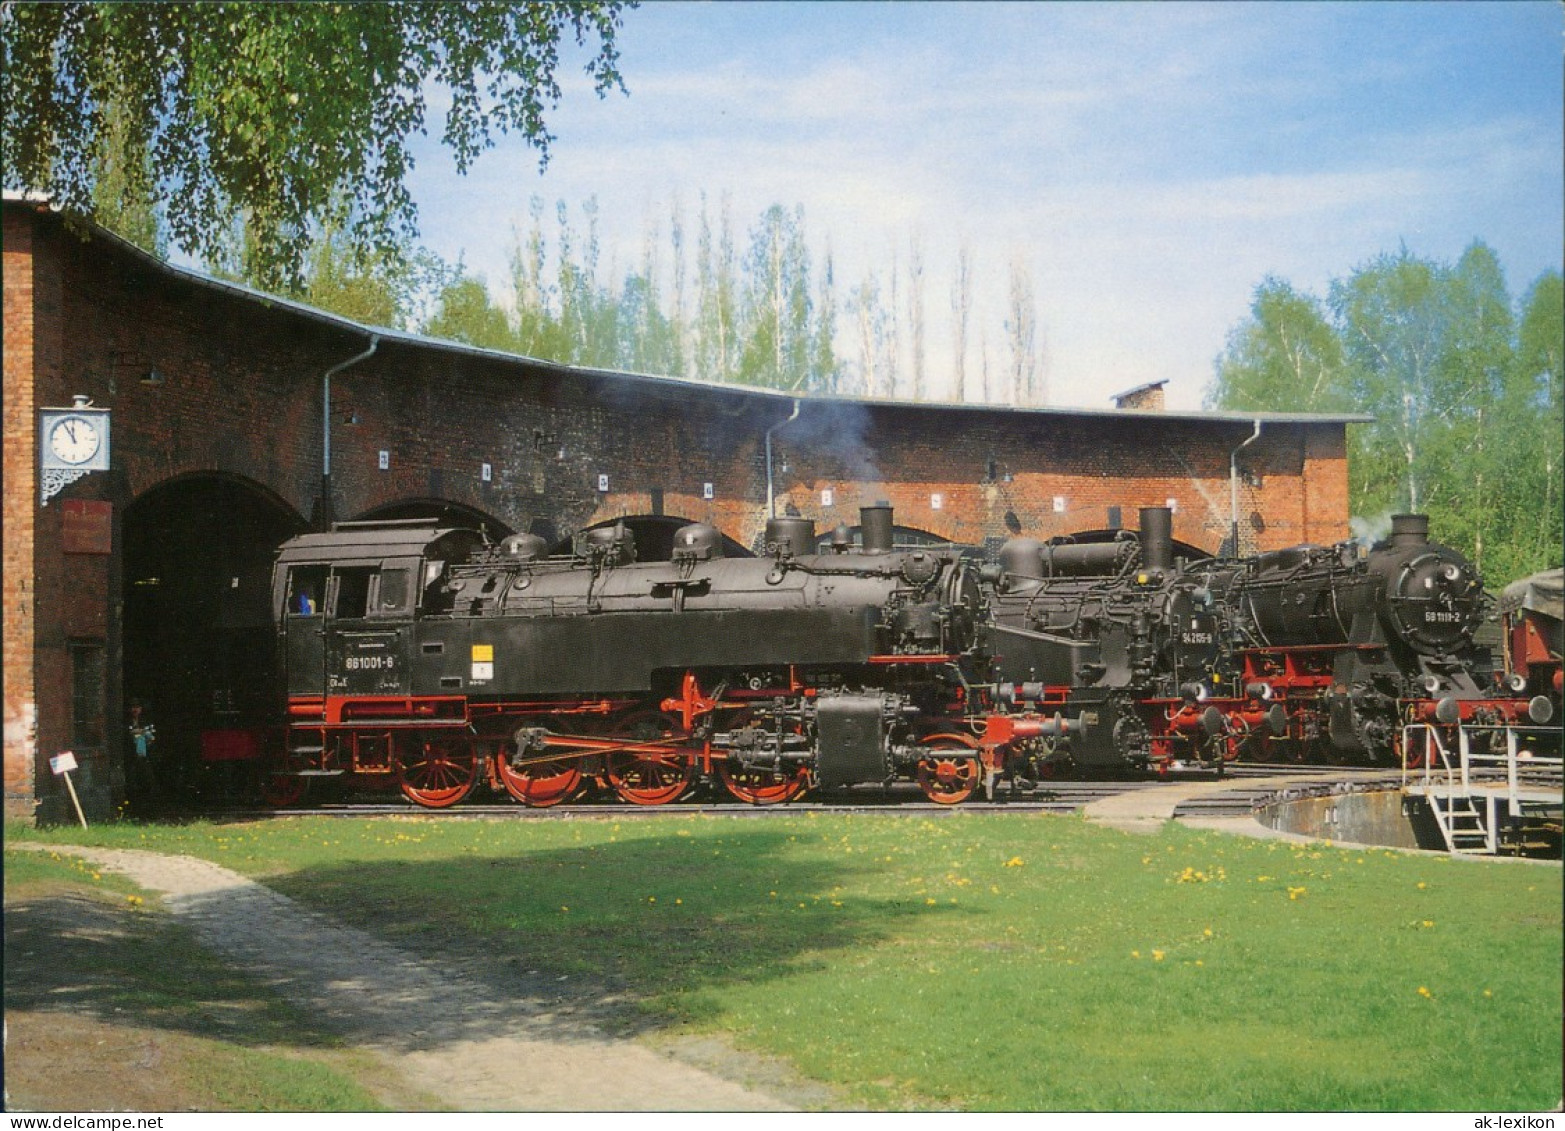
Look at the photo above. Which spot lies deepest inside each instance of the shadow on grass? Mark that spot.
(76, 954)
(650, 922)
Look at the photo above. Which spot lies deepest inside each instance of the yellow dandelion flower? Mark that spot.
(1423, 991)
(1207, 932)
(1157, 956)
(1135, 954)
(1015, 862)
(1488, 993)
(1428, 923)
(1198, 962)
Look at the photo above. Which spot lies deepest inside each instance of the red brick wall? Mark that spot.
(21, 489)
(240, 396)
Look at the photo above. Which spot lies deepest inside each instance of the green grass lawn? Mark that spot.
(89, 955)
(980, 963)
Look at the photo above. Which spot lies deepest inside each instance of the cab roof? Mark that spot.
(407, 538)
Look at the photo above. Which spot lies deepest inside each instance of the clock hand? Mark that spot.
(70, 430)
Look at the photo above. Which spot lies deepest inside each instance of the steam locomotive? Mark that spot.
(1305, 653)
(427, 657)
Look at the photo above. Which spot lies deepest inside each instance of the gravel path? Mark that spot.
(441, 1030)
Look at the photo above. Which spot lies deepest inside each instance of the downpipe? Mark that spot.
(771, 498)
(1233, 487)
(326, 511)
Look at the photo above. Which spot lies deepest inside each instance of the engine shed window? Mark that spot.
(306, 590)
(353, 592)
(87, 693)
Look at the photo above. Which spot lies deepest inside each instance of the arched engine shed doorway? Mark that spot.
(654, 535)
(198, 647)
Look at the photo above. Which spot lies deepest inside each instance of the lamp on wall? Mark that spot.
(152, 377)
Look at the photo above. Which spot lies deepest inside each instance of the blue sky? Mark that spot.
(1148, 163)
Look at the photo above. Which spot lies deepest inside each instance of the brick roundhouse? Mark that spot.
(149, 580)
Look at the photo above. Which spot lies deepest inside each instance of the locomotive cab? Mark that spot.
(345, 603)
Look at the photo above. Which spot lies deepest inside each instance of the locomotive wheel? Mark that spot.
(648, 777)
(540, 784)
(282, 787)
(282, 790)
(949, 777)
(437, 771)
(756, 786)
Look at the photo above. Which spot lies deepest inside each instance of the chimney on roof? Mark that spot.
(1143, 398)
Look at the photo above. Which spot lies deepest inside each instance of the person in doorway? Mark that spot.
(140, 775)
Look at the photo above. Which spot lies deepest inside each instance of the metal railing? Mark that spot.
(1456, 769)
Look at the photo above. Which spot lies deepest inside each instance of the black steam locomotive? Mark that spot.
(1305, 653)
(419, 654)
(426, 657)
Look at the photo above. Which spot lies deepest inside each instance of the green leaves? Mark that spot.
(279, 112)
(1466, 398)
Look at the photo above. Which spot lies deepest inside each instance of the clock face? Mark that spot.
(74, 439)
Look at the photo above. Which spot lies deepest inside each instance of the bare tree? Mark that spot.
(915, 311)
(961, 311)
(1021, 327)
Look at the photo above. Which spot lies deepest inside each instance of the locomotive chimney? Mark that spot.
(1409, 530)
(875, 523)
(790, 537)
(1157, 538)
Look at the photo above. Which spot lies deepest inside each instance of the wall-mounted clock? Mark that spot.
(71, 442)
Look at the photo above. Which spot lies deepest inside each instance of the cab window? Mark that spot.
(306, 590)
(353, 592)
(393, 595)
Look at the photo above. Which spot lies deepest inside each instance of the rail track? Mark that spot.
(1060, 796)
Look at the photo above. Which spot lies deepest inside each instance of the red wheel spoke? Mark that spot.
(755, 786)
(539, 784)
(283, 790)
(437, 772)
(653, 769)
(645, 779)
(950, 775)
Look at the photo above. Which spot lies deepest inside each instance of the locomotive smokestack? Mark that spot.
(1157, 538)
(875, 522)
(1409, 530)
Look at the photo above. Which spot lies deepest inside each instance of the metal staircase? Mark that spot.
(1470, 813)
